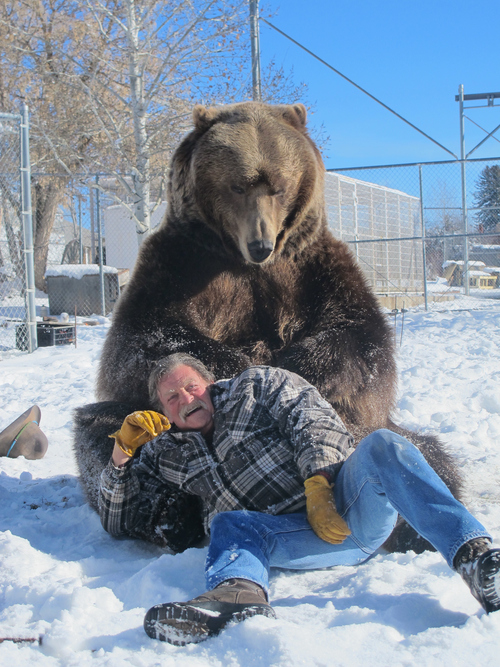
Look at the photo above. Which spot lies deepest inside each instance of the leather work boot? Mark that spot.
(479, 567)
(182, 623)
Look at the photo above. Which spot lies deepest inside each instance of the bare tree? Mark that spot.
(38, 41)
(161, 54)
(111, 85)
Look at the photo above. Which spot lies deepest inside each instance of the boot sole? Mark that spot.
(490, 581)
(181, 623)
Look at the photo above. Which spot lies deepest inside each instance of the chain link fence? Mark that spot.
(92, 247)
(17, 303)
(77, 281)
(405, 225)
(416, 243)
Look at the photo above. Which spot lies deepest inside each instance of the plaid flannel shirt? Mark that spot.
(272, 430)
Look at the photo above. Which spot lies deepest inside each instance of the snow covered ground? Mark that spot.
(62, 577)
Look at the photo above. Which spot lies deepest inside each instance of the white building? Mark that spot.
(361, 211)
(122, 241)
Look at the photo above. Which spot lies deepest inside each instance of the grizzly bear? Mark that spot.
(242, 271)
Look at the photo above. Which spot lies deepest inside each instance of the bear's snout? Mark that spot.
(260, 250)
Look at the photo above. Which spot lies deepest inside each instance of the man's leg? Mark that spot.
(386, 466)
(391, 466)
(243, 548)
(385, 475)
(245, 545)
(420, 496)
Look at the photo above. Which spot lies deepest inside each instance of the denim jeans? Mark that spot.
(385, 475)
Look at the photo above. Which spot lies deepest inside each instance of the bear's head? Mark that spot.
(252, 174)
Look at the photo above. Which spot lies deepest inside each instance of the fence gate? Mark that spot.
(17, 284)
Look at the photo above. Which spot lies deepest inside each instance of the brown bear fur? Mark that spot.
(244, 270)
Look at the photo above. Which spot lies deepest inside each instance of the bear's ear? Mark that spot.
(203, 118)
(296, 115)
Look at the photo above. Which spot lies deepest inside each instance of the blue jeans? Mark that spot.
(385, 475)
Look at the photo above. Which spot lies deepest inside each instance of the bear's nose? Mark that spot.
(260, 250)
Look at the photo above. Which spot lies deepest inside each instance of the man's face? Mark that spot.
(186, 400)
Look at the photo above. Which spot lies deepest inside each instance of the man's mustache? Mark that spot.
(186, 410)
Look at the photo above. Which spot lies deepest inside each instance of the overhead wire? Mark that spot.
(357, 86)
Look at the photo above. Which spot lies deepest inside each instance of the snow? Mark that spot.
(64, 578)
(77, 271)
(460, 262)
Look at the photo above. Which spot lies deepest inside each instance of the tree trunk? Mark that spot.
(46, 198)
(139, 118)
(15, 244)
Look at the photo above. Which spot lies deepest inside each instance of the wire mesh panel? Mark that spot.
(81, 289)
(75, 276)
(361, 212)
(405, 225)
(13, 310)
(452, 257)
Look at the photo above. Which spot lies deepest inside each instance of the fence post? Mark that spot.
(27, 218)
(92, 226)
(355, 218)
(99, 237)
(463, 167)
(422, 222)
(80, 239)
(254, 41)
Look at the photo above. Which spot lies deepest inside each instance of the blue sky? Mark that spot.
(410, 55)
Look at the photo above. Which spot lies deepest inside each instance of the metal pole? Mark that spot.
(355, 214)
(80, 225)
(99, 236)
(254, 40)
(28, 230)
(424, 259)
(464, 189)
(92, 226)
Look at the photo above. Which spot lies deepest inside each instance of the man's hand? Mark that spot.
(321, 512)
(138, 428)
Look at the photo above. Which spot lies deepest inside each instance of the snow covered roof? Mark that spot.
(77, 270)
(374, 186)
(460, 262)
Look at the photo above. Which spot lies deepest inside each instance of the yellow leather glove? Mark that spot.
(321, 512)
(138, 428)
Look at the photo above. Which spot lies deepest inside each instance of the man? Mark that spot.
(259, 449)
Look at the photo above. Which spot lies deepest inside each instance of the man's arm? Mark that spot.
(130, 488)
(120, 495)
(136, 501)
(119, 457)
(320, 442)
(178, 461)
(318, 436)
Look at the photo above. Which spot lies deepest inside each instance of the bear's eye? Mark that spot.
(237, 189)
(278, 193)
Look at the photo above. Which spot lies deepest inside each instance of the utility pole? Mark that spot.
(28, 229)
(461, 98)
(464, 190)
(254, 39)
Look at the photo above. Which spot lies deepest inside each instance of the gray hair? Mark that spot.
(166, 365)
